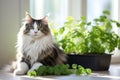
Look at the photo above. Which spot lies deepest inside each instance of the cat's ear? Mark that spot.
(28, 18)
(45, 19)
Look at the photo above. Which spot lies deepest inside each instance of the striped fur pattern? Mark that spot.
(36, 47)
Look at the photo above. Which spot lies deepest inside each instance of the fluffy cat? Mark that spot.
(36, 47)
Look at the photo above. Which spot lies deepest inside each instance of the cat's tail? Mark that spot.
(62, 57)
(10, 68)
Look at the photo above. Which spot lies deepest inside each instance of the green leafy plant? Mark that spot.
(59, 70)
(51, 70)
(81, 37)
(80, 70)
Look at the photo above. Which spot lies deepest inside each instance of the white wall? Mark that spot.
(11, 13)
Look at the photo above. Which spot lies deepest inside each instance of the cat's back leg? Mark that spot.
(21, 69)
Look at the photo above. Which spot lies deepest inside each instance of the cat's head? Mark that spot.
(36, 27)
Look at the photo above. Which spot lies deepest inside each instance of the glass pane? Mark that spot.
(57, 9)
(95, 8)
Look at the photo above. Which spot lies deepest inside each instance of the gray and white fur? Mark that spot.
(35, 47)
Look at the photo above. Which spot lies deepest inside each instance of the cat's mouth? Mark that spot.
(38, 35)
(35, 34)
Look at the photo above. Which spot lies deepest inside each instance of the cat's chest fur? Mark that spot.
(34, 47)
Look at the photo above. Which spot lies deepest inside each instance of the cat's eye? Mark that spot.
(39, 27)
(28, 26)
(31, 27)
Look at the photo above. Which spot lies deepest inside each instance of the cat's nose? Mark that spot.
(35, 32)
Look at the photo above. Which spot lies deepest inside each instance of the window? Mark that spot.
(95, 8)
(56, 9)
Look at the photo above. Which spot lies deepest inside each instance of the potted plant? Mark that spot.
(89, 44)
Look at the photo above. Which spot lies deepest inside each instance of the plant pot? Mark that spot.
(94, 61)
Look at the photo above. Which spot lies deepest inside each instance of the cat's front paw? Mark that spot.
(19, 72)
(22, 69)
